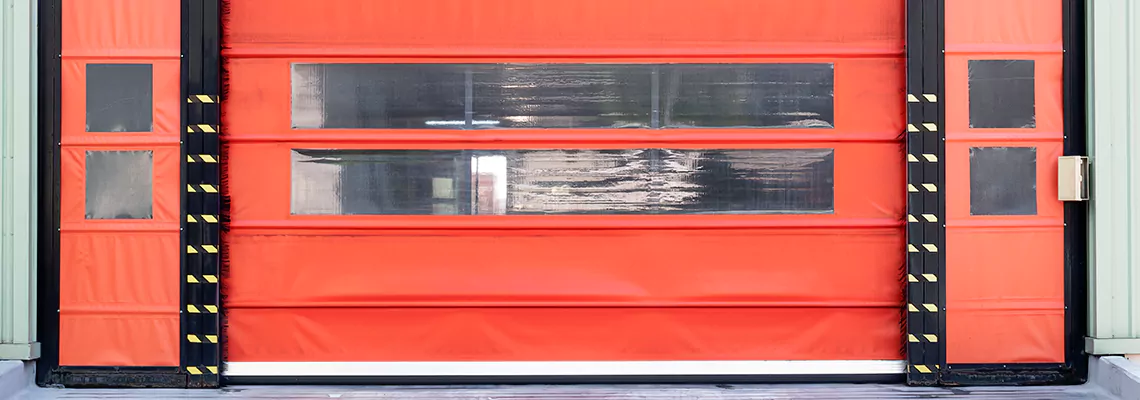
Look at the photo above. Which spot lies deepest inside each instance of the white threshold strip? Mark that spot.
(566, 368)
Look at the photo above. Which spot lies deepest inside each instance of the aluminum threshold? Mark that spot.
(567, 368)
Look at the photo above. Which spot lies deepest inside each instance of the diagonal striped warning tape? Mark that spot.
(206, 248)
(201, 128)
(203, 99)
(929, 98)
(202, 338)
(205, 308)
(212, 370)
(207, 218)
(201, 158)
(203, 278)
(201, 188)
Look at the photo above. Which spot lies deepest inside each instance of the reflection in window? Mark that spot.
(634, 181)
(1003, 181)
(748, 95)
(378, 96)
(1002, 94)
(120, 98)
(118, 184)
(563, 96)
(502, 96)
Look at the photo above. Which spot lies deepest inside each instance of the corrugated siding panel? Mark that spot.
(1114, 93)
(17, 179)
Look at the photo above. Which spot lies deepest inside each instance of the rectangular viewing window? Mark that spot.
(119, 98)
(119, 184)
(634, 181)
(1003, 181)
(571, 96)
(378, 96)
(1002, 94)
(748, 95)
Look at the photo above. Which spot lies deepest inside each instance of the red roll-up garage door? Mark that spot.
(588, 187)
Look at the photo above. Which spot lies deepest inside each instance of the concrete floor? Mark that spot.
(586, 392)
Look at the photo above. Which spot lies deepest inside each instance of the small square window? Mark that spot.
(119, 184)
(1003, 181)
(1002, 94)
(119, 98)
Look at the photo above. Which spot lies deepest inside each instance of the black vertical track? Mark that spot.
(1076, 213)
(50, 30)
(925, 148)
(201, 354)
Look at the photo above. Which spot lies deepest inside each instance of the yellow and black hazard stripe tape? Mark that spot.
(929, 187)
(206, 218)
(192, 338)
(200, 279)
(918, 158)
(201, 128)
(923, 369)
(204, 248)
(203, 99)
(928, 277)
(201, 158)
(923, 127)
(201, 188)
(926, 217)
(203, 370)
(928, 247)
(202, 309)
(924, 337)
(925, 306)
(929, 98)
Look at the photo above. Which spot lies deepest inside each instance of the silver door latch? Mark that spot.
(1073, 178)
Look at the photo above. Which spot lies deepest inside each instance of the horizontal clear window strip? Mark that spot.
(567, 96)
(543, 182)
(748, 95)
(378, 96)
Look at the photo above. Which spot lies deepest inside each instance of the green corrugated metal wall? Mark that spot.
(1114, 135)
(1114, 120)
(17, 180)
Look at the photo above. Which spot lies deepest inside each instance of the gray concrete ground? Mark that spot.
(588, 392)
(1111, 378)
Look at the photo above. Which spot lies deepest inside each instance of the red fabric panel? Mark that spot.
(119, 279)
(295, 28)
(137, 29)
(1004, 274)
(980, 26)
(562, 334)
(434, 268)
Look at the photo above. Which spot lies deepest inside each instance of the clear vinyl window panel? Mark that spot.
(570, 96)
(559, 181)
(748, 95)
(1003, 181)
(119, 184)
(120, 98)
(1002, 94)
(378, 96)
